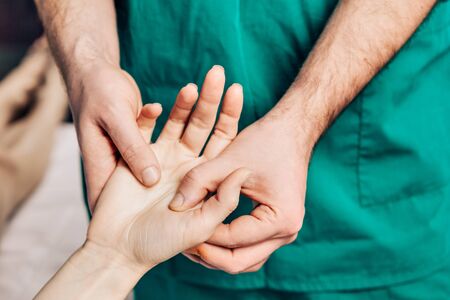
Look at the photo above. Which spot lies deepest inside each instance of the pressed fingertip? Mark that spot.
(150, 176)
(177, 202)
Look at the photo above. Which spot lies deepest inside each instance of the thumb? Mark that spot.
(139, 157)
(199, 181)
(218, 207)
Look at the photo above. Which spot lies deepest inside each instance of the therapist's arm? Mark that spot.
(105, 100)
(359, 39)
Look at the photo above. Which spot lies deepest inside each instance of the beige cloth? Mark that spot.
(32, 104)
(48, 227)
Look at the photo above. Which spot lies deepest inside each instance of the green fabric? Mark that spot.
(378, 194)
(435, 286)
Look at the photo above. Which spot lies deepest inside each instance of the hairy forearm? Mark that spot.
(81, 33)
(93, 273)
(360, 38)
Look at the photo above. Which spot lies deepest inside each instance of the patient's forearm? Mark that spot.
(93, 272)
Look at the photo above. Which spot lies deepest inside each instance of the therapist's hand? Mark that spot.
(105, 102)
(277, 148)
(271, 149)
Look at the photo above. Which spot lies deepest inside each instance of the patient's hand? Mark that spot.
(135, 221)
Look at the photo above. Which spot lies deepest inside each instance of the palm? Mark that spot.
(148, 217)
(175, 159)
(131, 217)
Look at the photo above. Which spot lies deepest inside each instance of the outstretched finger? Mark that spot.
(175, 125)
(203, 118)
(147, 120)
(226, 127)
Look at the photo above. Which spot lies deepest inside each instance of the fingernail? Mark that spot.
(238, 85)
(217, 67)
(150, 175)
(193, 85)
(177, 201)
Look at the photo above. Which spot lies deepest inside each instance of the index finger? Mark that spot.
(200, 180)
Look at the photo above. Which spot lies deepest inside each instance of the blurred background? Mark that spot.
(42, 216)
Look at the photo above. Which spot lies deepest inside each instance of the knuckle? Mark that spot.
(110, 115)
(268, 214)
(229, 204)
(201, 122)
(292, 226)
(292, 238)
(225, 133)
(231, 242)
(193, 177)
(293, 222)
(234, 269)
(227, 126)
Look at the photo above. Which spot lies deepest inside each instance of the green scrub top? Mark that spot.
(378, 193)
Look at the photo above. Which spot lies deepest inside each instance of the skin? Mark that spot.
(145, 231)
(104, 99)
(359, 39)
(32, 104)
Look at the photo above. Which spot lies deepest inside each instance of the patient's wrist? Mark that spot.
(93, 272)
(112, 258)
(110, 272)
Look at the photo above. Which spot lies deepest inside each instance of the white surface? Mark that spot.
(48, 227)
